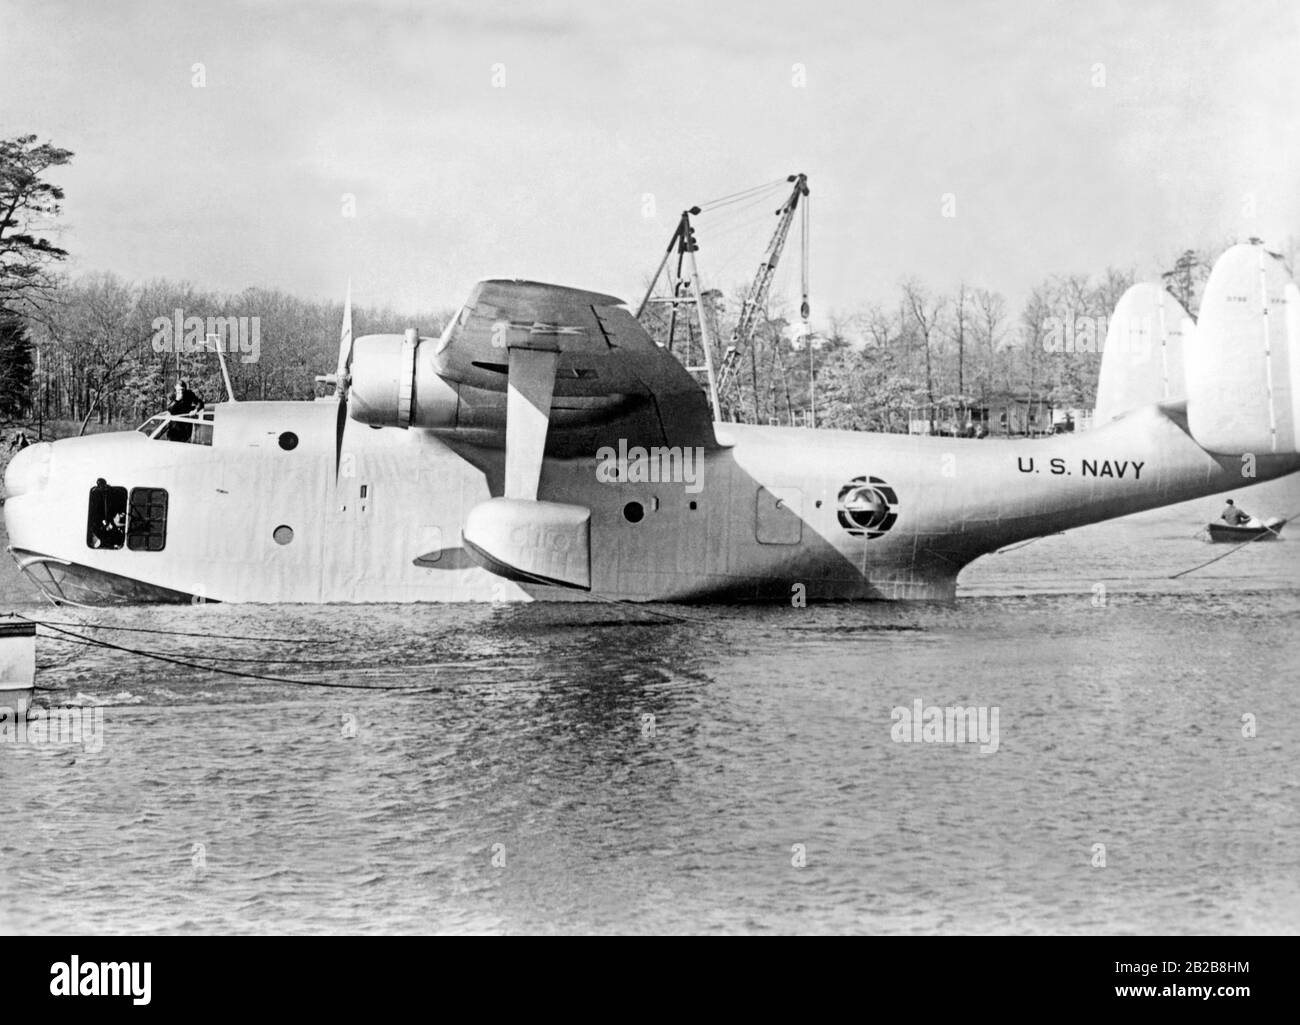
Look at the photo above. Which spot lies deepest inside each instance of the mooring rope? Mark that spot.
(640, 607)
(176, 633)
(171, 660)
(219, 658)
(1026, 544)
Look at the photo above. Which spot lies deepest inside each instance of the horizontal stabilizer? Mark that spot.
(1142, 362)
(1243, 367)
(531, 542)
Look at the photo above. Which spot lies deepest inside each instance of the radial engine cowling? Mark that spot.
(393, 383)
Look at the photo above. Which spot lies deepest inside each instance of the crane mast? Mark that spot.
(686, 291)
(756, 298)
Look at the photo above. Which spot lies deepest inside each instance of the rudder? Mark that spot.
(1243, 370)
(1142, 361)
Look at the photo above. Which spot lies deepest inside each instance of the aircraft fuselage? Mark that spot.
(773, 513)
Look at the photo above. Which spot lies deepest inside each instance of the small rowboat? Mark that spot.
(1250, 531)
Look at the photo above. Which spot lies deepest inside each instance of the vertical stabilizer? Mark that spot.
(1142, 361)
(1243, 378)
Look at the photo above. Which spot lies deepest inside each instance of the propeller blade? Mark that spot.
(340, 425)
(341, 381)
(345, 345)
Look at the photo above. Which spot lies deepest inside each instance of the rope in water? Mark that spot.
(1025, 544)
(259, 677)
(639, 607)
(59, 627)
(93, 642)
(177, 633)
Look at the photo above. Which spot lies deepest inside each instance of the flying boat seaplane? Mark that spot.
(545, 448)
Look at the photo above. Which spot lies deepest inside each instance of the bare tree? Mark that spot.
(874, 324)
(959, 321)
(991, 314)
(925, 312)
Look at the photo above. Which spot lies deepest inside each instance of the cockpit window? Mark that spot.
(147, 523)
(150, 426)
(106, 516)
(195, 428)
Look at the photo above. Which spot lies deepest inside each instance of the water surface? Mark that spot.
(526, 788)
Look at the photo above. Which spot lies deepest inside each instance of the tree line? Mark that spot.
(875, 368)
(112, 350)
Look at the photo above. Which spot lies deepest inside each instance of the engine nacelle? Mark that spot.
(392, 386)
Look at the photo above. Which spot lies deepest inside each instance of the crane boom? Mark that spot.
(756, 298)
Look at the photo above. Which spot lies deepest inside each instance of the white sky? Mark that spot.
(240, 183)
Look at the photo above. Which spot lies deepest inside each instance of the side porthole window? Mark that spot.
(147, 520)
(633, 512)
(288, 441)
(106, 516)
(282, 534)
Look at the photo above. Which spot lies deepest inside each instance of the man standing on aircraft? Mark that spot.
(186, 402)
(1233, 516)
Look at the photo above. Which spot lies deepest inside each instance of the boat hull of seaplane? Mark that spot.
(770, 514)
(544, 448)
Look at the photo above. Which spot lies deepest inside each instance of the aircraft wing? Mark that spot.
(610, 379)
(526, 371)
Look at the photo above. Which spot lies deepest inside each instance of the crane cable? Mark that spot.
(721, 201)
(804, 225)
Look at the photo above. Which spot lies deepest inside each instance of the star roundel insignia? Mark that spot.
(867, 507)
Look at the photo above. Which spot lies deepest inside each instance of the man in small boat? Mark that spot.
(1233, 516)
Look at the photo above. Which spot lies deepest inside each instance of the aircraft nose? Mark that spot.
(29, 470)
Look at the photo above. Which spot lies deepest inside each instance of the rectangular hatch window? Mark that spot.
(147, 520)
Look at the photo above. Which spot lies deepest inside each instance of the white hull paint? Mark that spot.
(956, 500)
